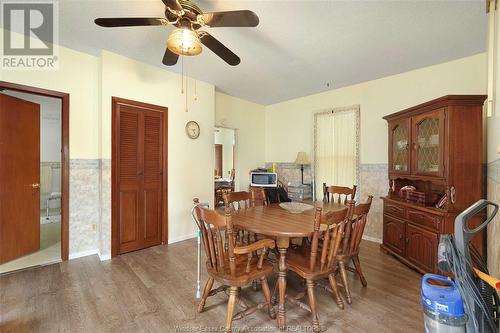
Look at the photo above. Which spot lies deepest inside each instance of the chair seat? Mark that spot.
(240, 278)
(298, 262)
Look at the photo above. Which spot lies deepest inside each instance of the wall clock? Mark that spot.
(192, 129)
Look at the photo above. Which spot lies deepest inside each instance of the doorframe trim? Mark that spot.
(115, 228)
(64, 97)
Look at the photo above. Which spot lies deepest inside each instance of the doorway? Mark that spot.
(34, 172)
(224, 167)
(139, 175)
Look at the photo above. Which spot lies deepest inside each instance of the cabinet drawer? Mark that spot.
(394, 210)
(427, 220)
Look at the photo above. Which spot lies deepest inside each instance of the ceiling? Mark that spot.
(299, 46)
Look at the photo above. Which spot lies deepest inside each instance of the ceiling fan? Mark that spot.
(188, 18)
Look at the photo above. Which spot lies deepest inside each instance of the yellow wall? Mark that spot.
(289, 125)
(376, 98)
(190, 162)
(493, 179)
(263, 133)
(77, 75)
(91, 82)
(248, 119)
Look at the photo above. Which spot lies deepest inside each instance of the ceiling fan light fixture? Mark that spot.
(184, 41)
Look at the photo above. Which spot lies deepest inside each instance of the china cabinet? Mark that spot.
(435, 172)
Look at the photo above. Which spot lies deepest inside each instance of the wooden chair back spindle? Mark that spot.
(330, 192)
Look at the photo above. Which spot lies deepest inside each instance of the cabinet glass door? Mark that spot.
(400, 136)
(428, 141)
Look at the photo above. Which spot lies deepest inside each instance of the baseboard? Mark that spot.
(83, 254)
(182, 238)
(372, 239)
(104, 257)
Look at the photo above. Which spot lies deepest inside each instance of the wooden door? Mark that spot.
(218, 160)
(421, 248)
(19, 178)
(428, 143)
(140, 169)
(393, 234)
(399, 146)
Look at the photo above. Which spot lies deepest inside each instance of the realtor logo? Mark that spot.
(29, 35)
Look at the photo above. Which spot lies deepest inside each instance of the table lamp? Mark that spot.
(302, 159)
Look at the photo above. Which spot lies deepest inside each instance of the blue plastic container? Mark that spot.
(443, 305)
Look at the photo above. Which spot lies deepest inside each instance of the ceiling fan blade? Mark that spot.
(218, 48)
(172, 4)
(170, 58)
(129, 21)
(236, 18)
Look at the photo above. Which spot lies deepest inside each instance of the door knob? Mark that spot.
(35, 185)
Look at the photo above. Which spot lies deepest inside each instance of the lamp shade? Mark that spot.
(184, 42)
(302, 158)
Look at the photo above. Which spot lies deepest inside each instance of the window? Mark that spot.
(336, 148)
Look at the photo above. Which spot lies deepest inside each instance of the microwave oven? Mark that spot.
(263, 179)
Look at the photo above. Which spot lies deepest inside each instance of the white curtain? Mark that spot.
(336, 148)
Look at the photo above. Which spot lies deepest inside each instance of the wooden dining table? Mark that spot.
(273, 220)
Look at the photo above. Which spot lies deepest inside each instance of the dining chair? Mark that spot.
(237, 200)
(258, 197)
(313, 263)
(350, 247)
(219, 195)
(232, 266)
(330, 192)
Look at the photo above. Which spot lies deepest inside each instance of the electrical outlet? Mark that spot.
(94, 227)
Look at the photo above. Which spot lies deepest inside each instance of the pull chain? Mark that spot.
(186, 110)
(184, 78)
(182, 74)
(195, 92)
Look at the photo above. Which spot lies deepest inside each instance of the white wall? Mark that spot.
(376, 98)
(248, 119)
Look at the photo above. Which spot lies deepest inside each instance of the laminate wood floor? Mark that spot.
(152, 290)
